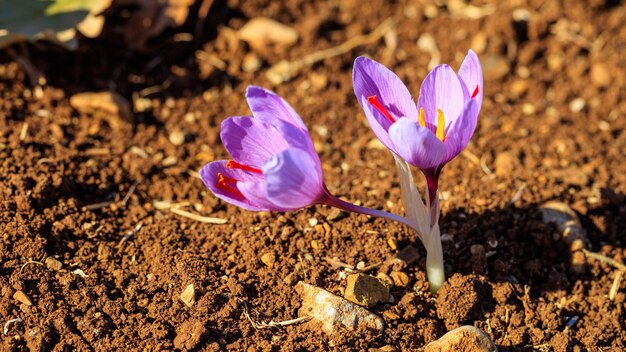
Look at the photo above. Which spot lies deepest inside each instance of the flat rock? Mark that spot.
(366, 290)
(112, 106)
(570, 229)
(495, 67)
(573, 176)
(407, 255)
(466, 338)
(505, 164)
(21, 297)
(53, 263)
(334, 312)
(260, 32)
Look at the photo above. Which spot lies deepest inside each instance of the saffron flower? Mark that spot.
(274, 166)
(426, 135)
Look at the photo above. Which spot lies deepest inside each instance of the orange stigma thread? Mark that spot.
(372, 100)
(422, 119)
(475, 92)
(231, 164)
(223, 183)
(441, 125)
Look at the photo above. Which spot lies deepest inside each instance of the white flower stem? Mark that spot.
(426, 219)
(435, 270)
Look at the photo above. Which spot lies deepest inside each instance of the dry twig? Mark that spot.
(286, 70)
(204, 219)
(606, 260)
(271, 323)
(29, 262)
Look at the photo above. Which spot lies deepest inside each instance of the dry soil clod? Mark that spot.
(334, 312)
(190, 334)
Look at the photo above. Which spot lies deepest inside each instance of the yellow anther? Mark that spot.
(441, 125)
(421, 118)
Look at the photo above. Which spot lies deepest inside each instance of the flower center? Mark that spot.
(374, 101)
(232, 164)
(225, 183)
(441, 123)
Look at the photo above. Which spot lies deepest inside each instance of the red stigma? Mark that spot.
(231, 164)
(475, 92)
(223, 183)
(372, 100)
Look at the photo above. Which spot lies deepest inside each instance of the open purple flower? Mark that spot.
(274, 166)
(430, 134)
(426, 135)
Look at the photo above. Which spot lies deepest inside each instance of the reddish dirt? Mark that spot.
(509, 272)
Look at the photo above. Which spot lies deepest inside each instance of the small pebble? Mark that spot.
(464, 338)
(260, 32)
(188, 296)
(495, 67)
(400, 278)
(251, 63)
(177, 137)
(393, 243)
(577, 105)
(600, 75)
(505, 164)
(336, 214)
(53, 263)
(21, 297)
(291, 279)
(407, 255)
(268, 259)
(366, 290)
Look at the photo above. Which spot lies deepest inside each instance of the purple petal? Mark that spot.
(371, 78)
(295, 136)
(256, 193)
(250, 141)
(472, 76)
(270, 107)
(442, 89)
(461, 131)
(378, 123)
(294, 179)
(416, 144)
(209, 176)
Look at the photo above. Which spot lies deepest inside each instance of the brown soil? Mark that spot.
(509, 273)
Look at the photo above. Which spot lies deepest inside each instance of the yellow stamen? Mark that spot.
(421, 118)
(441, 125)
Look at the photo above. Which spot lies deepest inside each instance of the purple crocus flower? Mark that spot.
(430, 134)
(274, 166)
